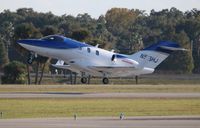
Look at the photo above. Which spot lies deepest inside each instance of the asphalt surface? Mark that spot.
(98, 95)
(103, 122)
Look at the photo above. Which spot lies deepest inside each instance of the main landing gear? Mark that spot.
(105, 80)
(85, 80)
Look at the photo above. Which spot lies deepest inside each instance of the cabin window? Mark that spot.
(88, 49)
(97, 52)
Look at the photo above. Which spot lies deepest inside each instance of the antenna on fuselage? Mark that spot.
(97, 46)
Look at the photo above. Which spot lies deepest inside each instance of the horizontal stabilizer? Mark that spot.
(173, 48)
(165, 47)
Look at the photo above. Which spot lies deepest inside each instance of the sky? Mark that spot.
(95, 8)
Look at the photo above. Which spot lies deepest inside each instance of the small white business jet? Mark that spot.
(88, 60)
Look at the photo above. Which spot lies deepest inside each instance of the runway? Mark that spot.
(103, 122)
(97, 95)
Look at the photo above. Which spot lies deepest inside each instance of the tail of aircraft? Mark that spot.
(153, 55)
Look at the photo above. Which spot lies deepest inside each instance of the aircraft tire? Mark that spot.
(83, 80)
(105, 80)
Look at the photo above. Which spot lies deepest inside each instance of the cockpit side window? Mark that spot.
(53, 38)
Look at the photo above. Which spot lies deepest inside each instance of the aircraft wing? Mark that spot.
(112, 69)
(61, 66)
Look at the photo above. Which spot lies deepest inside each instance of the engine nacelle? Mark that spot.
(124, 61)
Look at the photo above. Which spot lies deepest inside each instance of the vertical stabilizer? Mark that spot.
(153, 55)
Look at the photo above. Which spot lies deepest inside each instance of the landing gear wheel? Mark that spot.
(30, 58)
(83, 80)
(105, 80)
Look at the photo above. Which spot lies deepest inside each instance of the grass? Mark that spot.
(37, 108)
(50, 107)
(152, 80)
(100, 88)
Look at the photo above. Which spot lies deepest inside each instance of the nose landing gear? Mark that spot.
(85, 80)
(31, 58)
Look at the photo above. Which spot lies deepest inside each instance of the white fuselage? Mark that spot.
(88, 60)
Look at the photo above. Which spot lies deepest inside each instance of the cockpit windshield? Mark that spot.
(53, 38)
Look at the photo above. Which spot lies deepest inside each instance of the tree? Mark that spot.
(14, 73)
(125, 30)
(24, 31)
(130, 44)
(3, 55)
(7, 32)
(80, 35)
(180, 61)
(121, 23)
(102, 36)
(118, 20)
(86, 21)
(40, 63)
(192, 27)
(49, 30)
(68, 24)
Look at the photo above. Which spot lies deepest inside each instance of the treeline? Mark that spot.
(124, 30)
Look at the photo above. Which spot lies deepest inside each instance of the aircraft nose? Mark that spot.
(22, 42)
(27, 43)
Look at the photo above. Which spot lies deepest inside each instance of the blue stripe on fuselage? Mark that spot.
(66, 44)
